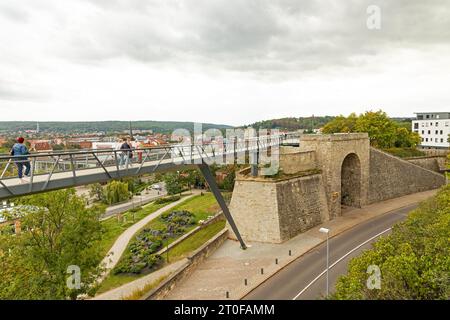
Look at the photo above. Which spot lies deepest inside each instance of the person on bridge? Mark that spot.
(126, 154)
(19, 149)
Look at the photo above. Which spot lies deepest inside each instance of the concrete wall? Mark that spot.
(392, 177)
(275, 211)
(292, 160)
(331, 150)
(433, 163)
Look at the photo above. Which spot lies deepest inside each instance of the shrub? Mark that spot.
(405, 152)
(167, 199)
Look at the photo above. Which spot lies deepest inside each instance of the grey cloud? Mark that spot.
(21, 92)
(252, 35)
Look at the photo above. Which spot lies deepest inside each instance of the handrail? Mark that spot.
(108, 150)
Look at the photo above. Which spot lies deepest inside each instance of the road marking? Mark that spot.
(339, 260)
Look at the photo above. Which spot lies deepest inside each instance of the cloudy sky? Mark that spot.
(220, 61)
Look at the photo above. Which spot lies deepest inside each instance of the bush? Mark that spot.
(405, 152)
(414, 260)
(167, 199)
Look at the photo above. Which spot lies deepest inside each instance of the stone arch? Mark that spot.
(351, 181)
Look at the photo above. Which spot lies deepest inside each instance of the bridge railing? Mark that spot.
(51, 163)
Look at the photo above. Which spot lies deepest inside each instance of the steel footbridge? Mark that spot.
(58, 170)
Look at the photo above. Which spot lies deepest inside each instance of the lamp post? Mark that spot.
(327, 231)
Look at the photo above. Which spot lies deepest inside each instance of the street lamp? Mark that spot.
(327, 231)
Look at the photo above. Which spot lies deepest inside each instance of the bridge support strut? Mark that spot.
(204, 169)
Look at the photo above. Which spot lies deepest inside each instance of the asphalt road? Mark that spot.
(302, 278)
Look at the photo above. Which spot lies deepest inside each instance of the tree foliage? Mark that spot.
(174, 182)
(116, 191)
(414, 259)
(62, 233)
(383, 131)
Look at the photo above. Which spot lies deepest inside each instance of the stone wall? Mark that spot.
(301, 205)
(392, 177)
(331, 150)
(275, 211)
(292, 160)
(433, 163)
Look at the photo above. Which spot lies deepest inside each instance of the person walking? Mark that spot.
(126, 154)
(19, 151)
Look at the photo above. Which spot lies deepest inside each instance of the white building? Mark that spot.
(433, 128)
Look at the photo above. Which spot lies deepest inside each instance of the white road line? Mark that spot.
(339, 260)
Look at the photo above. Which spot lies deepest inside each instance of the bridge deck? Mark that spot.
(101, 165)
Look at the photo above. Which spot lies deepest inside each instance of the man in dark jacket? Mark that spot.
(126, 154)
(19, 149)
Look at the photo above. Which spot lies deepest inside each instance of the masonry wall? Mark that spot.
(254, 208)
(293, 160)
(301, 205)
(392, 177)
(433, 163)
(331, 150)
(275, 211)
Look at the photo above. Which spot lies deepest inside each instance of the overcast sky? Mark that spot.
(220, 61)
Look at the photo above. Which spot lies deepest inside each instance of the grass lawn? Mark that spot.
(113, 281)
(201, 206)
(113, 228)
(195, 241)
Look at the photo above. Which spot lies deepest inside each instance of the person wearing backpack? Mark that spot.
(19, 149)
(126, 153)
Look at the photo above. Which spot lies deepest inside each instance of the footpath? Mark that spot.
(120, 245)
(225, 270)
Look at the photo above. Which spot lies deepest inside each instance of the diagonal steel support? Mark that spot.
(220, 200)
(101, 164)
(7, 189)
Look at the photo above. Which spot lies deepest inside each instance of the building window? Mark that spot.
(431, 124)
(423, 131)
(442, 140)
(427, 116)
(441, 132)
(437, 132)
(426, 139)
(429, 131)
(416, 125)
(437, 124)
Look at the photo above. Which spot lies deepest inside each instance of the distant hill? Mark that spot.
(293, 123)
(105, 126)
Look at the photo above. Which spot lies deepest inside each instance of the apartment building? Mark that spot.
(433, 128)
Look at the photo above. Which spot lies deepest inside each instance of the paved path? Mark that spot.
(127, 289)
(122, 241)
(134, 202)
(305, 278)
(226, 269)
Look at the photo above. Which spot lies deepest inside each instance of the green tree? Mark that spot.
(174, 183)
(61, 233)
(116, 191)
(414, 260)
(96, 191)
(383, 131)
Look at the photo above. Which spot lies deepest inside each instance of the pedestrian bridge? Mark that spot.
(57, 170)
